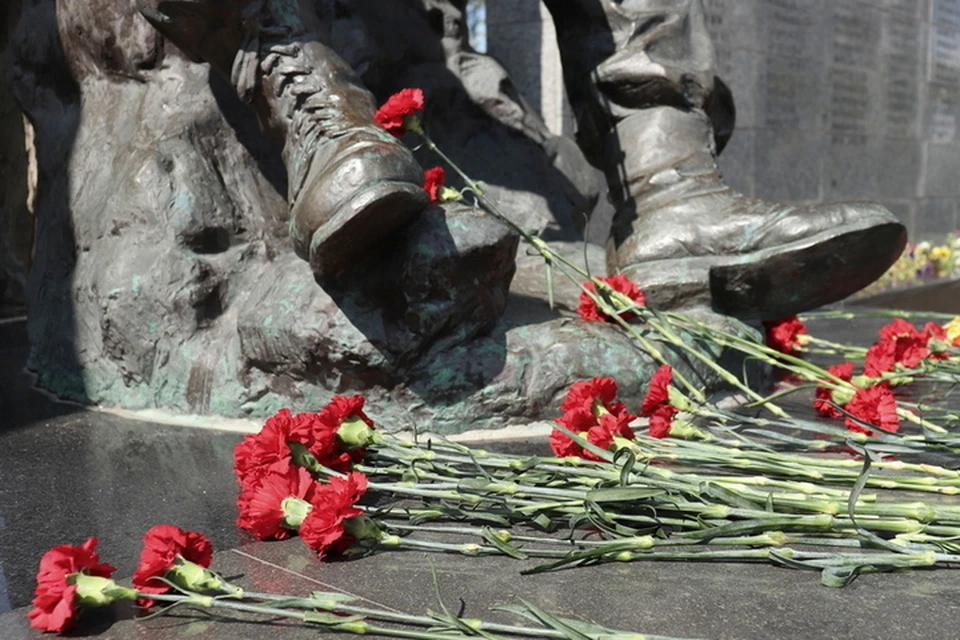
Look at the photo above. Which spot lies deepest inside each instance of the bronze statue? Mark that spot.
(641, 79)
(169, 220)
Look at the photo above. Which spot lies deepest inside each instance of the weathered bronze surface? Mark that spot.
(641, 80)
(223, 228)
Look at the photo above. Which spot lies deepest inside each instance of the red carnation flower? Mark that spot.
(661, 419)
(881, 357)
(345, 430)
(784, 335)
(54, 605)
(262, 508)
(937, 335)
(593, 395)
(658, 393)
(897, 328)
(335, 437)
(591, 409)
(656, 405)
(432, 182)
(253, 456)
(333, 504)
(824, 400)
(598, 431)
(393, 115)
(876, 406)
(162, 545)
(588, 309)
(900, 343)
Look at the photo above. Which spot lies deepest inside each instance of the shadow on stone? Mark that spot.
(47, 92)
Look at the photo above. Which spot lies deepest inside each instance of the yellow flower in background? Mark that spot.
(940, 253)
(920, 262)
(953, 329)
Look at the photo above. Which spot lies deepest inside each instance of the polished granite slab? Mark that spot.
(67, 473)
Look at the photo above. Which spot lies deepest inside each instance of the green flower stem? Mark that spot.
(671, 336)
(553, 259)
(852, 352)
(817, 467)
(796, 365)
(668, 479)
(918, 442)
(447, 492)
(952, 415)
(468, 549)
(812, 316)
(756, 349)
(769, 538)
(698, 518)
(359, 627)
(810, 560)
(909, 416)
(403, 618)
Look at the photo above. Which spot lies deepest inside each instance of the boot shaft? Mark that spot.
(619, 58)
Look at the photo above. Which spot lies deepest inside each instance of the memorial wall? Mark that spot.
(836, 99)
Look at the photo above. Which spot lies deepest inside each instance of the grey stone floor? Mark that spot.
(67, 473)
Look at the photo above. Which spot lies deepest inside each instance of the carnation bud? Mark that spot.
(619, 442)
(677, 399)
(412, 123)
(842, 395)
(294, 511)
(355, 433)
(642, 542)
(192, 577)
(96, 591)
(362, 528)
(688, 431)
(302, 457)
(862, 381)
(356, 626)
(449, 194)
(390, 540)
(598, 409)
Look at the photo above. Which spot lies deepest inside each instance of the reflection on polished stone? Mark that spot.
(67, 473)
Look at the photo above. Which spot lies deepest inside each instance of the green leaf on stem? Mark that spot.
(553, 622)
(543, 521)
(330, 599)
(626, 468)
(855, 492)
(623, 494)
(328, 619)
(490, 536)
(726, 496)
(838, 577)
(521, 465)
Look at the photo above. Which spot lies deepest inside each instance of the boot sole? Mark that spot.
(349, 237)
(776, 282)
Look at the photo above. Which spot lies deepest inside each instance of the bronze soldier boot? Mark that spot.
(640, 76)
(350, 183)
(688, 238)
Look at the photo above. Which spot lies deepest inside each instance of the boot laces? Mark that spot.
(268, 48)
